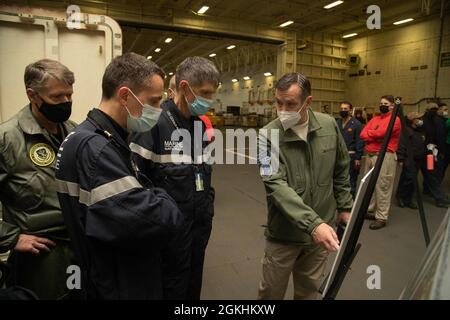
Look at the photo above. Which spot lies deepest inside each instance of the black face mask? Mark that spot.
(343, 114)
(384, 109)
(58, 112)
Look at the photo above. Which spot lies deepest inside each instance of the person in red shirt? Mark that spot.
(373, 135)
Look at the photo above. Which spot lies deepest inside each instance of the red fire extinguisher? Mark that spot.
(430, 157)
(430, 161)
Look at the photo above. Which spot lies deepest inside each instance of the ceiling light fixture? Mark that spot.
(287, 23)
(203, 9)
(350, 35)
(403, 21)
(333, 4)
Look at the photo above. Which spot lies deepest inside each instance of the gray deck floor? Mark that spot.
(233, 267)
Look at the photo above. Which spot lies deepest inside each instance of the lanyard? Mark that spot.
(172, 119)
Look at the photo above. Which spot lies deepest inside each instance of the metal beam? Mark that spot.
(202, 32)
(160, 40)
(345, 14)
(231, 7)
(394, 11)
(365, 32)
(426, 7)
(138, 36)
(174, 48)
(185, 54)
(219, 60)
(159, 4)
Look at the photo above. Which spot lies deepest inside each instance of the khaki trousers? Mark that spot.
(306, 263)
(381, 199)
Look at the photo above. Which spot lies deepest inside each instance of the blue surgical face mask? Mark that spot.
(200, 106)
(146, 121)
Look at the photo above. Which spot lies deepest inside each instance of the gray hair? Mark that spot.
(38, 73)
(297, 78)
(197, 71)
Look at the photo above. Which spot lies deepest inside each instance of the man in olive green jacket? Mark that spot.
(307, 181)
(33, 227)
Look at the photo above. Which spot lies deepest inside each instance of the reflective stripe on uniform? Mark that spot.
(100, 193)
(73, 190)
(160, 158)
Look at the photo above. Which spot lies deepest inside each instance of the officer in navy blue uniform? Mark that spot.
(114, 216)
(177, 165)
(351, 128)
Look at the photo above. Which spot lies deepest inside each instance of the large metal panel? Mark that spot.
(29, 34)
(83, 52)
(19, 45)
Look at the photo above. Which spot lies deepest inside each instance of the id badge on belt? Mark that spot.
(199, 182)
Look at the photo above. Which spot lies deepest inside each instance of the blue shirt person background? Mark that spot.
(350, 129)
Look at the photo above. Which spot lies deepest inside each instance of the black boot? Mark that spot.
(442, 204)
(377, 224)
(400, 202)
(411, 205)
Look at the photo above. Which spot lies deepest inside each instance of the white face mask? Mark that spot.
(445, 114)
(290, 119)
(146, 121)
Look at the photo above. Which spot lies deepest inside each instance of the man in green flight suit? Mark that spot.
(33, 227)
